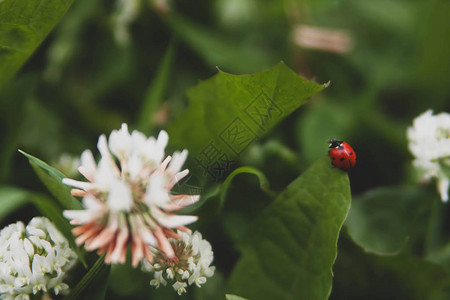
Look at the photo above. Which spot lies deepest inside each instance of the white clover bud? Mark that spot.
(33, 260)
(192, 264)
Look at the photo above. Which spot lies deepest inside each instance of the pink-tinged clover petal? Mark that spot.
(103, 238)
(173, 221)
(181, 201)
(78, 184)
(79, 216)
(177, 162)
(177, 178)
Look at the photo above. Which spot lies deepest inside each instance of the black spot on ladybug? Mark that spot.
(351, 153)
(334, 158)
(341, 159)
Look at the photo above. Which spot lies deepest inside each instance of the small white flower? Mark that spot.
(429, 142)
(192, 263)
(180, 287)
(158, 279)
(169, 273)
(33, 259)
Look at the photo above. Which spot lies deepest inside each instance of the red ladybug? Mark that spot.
(342, 155)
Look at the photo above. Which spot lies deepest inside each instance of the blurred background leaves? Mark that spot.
(387, 61)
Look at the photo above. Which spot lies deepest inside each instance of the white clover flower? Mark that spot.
(429, 142)
(192, 264)
(130, 203)
(33, 259)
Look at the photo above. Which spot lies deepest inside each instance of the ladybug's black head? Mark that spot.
(334, 143)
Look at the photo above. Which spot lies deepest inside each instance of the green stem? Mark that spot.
(434, 229)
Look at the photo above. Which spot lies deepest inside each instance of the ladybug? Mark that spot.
(342, 155)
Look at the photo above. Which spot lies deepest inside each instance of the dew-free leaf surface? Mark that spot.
(228, 112)
(363, 275)
(384, 220)
(24, 24)
(291, 246)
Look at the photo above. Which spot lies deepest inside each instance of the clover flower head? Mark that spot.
(429, 142)
(191, 265)
(33, 259)
(128, 199)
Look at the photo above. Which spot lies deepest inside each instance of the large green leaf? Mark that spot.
(383, 220)
(292, 244)
(228, 112)
(52, 178)
(362, 275)
(24, 25)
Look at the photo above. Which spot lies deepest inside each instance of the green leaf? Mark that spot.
(52, 178)
(11, 199)
(228, 112)
(291, 246)
(441, 256)
(24, 25)
(417, 277)
(263, 182)
(384, 219)
(362, 275)
(156, 90)
(53, 212)
(234, 297)
(93, 284)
